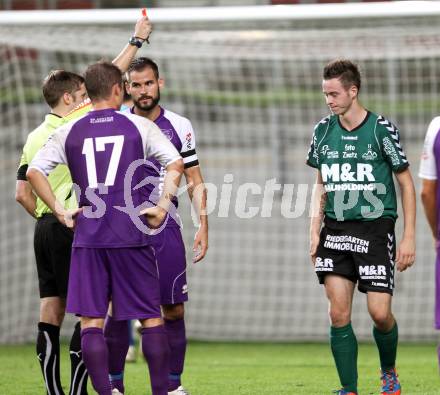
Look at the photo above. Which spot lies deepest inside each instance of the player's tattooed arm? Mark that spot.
(319, 199)
(198, 195)
(142, 30)
(429, 200)
(406, 251)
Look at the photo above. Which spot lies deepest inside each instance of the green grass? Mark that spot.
(245, 369)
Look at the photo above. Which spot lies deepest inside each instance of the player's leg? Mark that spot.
(52, 308)
(175, 328)
(335, 269)
(136, 294)
(116, 334)
(95, 353)
(156, 352)
(78, 371)
(60, 249)
(376, 278)
(386, 335)
(339, 291)
(48, 342)
(88, 297)
(170, 255)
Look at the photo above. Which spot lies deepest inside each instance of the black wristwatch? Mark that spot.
(136, 41)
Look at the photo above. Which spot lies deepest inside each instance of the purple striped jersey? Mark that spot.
(102, 150)
(180, 132)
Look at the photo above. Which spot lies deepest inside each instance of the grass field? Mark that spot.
(244, 369)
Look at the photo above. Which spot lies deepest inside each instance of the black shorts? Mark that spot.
(361, 251)
(53, 247)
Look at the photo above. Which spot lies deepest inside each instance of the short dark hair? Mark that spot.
(59, 82)
(100, 79)
(345, 70)
(142, 63)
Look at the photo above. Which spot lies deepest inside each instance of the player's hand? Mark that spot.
(314, 242)
(200, 246)
(143, 28)
(406, 254)
(155, 216)
(68, 217)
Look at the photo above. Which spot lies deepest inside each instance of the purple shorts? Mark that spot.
(127, 276)
(171, 261)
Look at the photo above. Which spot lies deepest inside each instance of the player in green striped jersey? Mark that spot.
(356, 153)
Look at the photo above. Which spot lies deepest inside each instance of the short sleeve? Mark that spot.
(23, 166)
(428, 167)
(52, 153)
(312, 155)
(391, 146)
(159, 147)
(188, 140)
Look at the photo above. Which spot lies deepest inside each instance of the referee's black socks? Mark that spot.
(48, 353)
(78, 371)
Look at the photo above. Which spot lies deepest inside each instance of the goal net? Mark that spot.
(249, 79)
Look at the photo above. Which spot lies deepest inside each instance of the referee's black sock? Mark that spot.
(78, 371)
(48, 353)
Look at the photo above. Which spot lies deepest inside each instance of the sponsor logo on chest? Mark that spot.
(350, 152)
(325, 150)
(344, 172)
(370, 154)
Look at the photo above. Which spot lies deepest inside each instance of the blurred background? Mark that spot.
(251, 85)
(77, 4)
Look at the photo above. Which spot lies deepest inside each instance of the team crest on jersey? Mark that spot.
(370, 154)
(168, 133)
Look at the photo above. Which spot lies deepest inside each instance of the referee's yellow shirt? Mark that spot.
(59, 179)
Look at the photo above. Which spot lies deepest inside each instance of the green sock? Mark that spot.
(387, 346)
(345, 349)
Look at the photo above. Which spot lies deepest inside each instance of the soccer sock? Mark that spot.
(117, 338)
(48, 353)
(177, 342)
(345, 349)
(130, 333)
(156, 351)
(95, 357)
(78, 371)
(387, 346)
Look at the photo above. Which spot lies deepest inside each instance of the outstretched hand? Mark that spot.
(143, 26)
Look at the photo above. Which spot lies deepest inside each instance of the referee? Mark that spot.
(62, 91)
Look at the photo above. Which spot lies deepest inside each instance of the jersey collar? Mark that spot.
(54, 120)
(357, 127)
